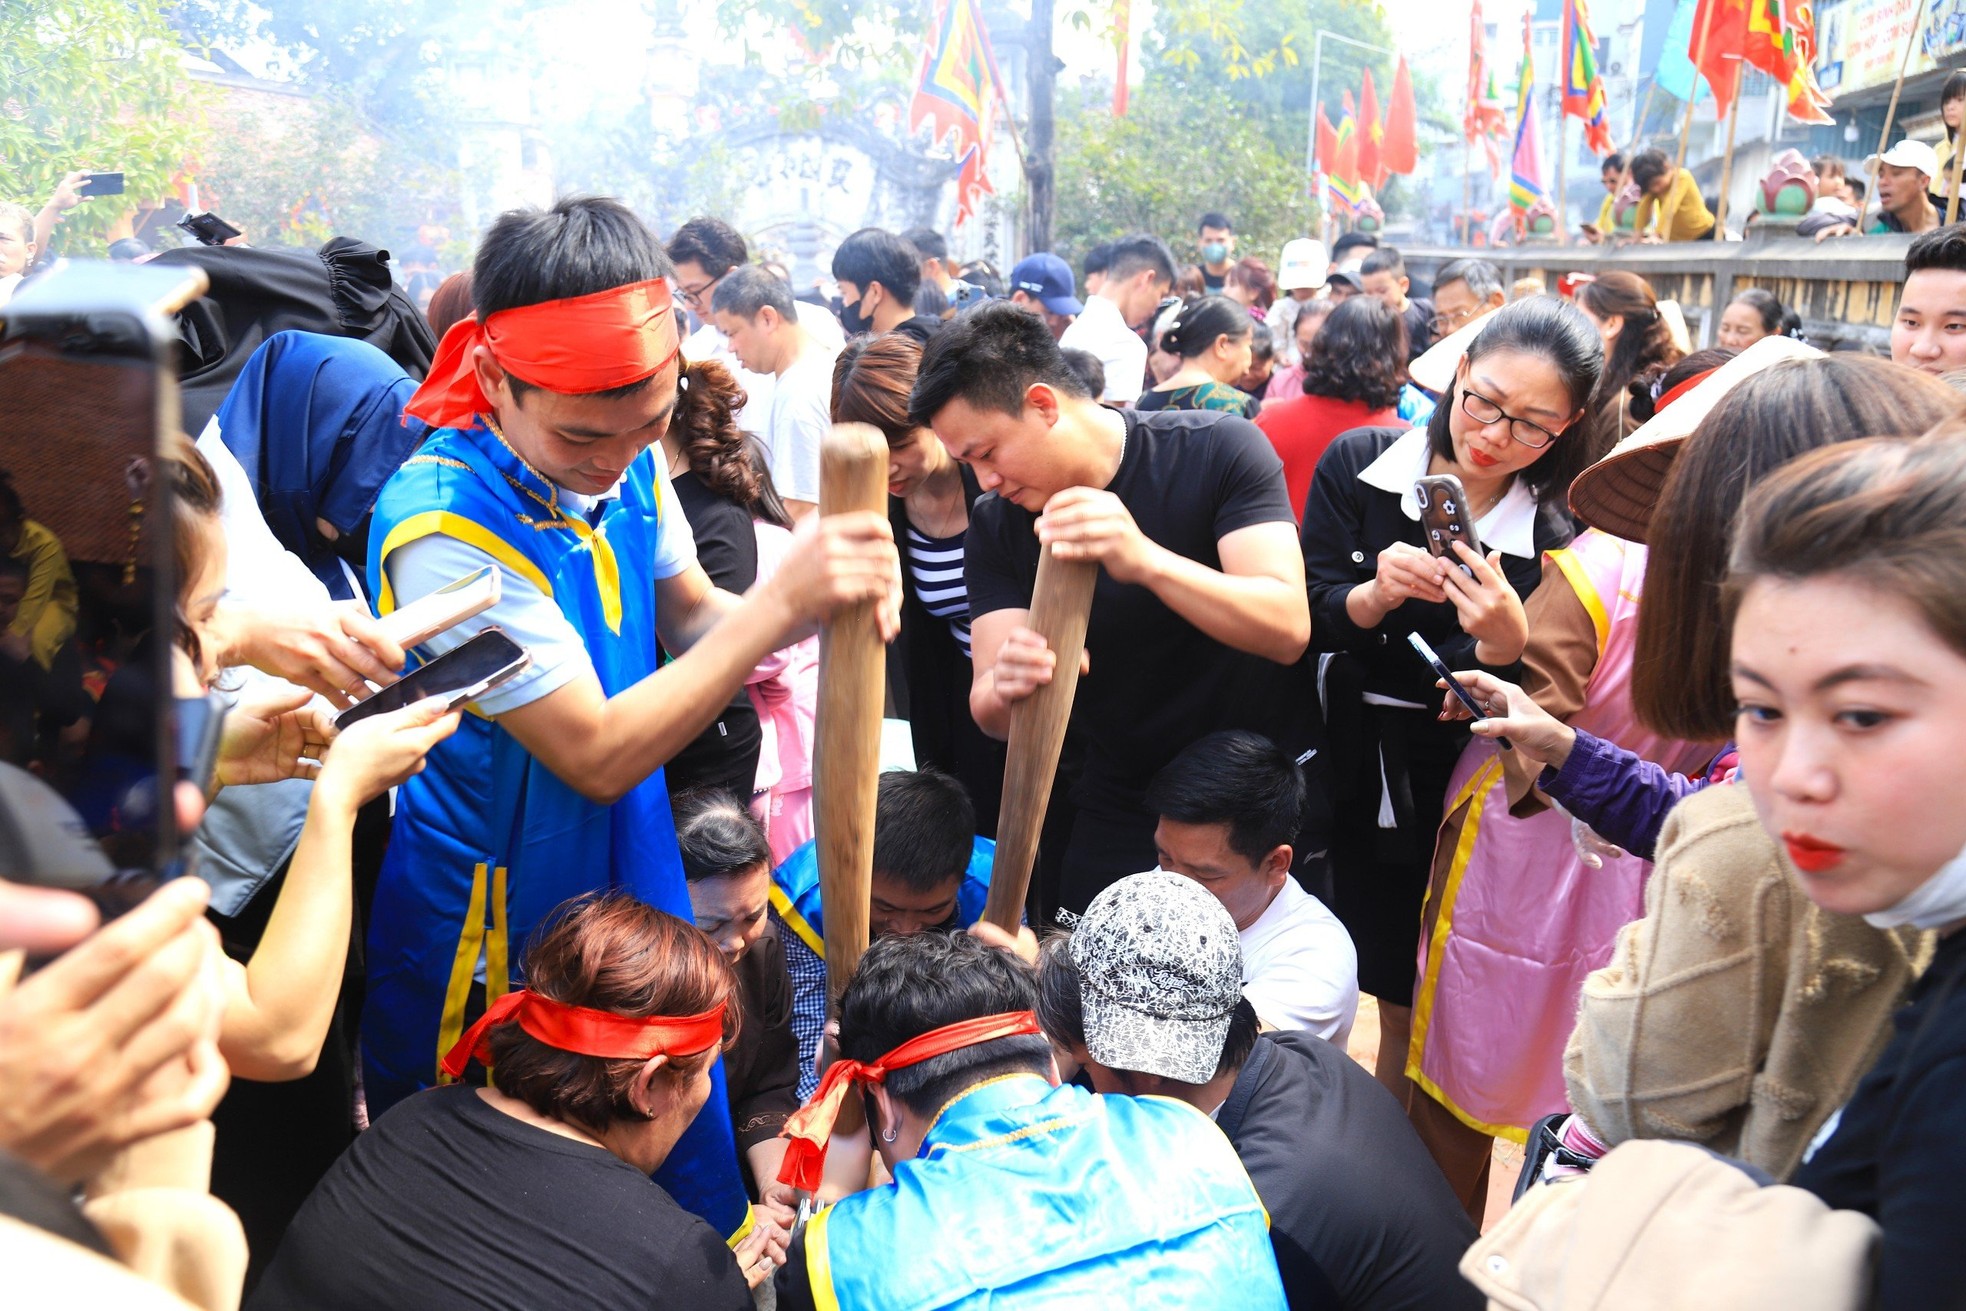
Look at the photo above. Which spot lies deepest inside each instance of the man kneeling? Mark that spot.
(1009, 1188)
(1147, 994)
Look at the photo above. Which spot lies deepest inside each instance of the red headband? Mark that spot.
(1684, 386)
(811, 1126)
(587, 1032)
(585, 344)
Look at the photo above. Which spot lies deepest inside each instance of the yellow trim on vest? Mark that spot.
(1580, 583)
(743, 1230)
(607, 570)
(498, 981)
(797, 922)
(1474, 795)
(819, 1263)
(463, 965)
(471, 533)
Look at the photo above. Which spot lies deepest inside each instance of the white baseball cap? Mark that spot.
(1303, 265)
(1907, 154)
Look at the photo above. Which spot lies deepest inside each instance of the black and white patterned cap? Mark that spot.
(1160, 972)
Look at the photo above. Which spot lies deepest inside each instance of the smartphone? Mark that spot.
(88, 390)
(450, 605)
(1444, 517)
(1461, 694)
(209, 228)
(101, 184)
(460, 675)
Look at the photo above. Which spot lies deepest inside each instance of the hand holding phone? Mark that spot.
(101, 184)
(458, 676)
(450, 605)
(1461, 693)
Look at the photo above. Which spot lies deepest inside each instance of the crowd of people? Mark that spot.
(527, 1003)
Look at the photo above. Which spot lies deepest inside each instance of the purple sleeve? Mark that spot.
(1624, 798)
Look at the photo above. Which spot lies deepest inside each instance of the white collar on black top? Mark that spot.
(1510, 524)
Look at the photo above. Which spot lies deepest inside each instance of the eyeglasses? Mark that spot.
(1446, 323)
(1482, 410)
(693, 296)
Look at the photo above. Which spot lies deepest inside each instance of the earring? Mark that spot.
(891, 1135)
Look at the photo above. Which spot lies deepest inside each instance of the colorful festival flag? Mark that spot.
(1347, 189)
(1583, 88)
(1483, 120)
(1327, 142)
(1400, 151)
(1718, 52)
(1370, 133)
(1526, 165)
(957, 92)
(1781, 42)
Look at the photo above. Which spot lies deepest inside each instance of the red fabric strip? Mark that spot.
(586, 1031)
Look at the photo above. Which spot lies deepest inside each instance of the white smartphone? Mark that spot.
(450, 605)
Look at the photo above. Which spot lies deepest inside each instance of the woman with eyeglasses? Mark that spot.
(1514, 429)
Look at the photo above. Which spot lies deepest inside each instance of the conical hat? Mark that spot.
(1618, 494)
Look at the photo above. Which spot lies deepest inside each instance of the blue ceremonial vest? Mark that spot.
(1024, 1195)
(795, 892)
(487, 841)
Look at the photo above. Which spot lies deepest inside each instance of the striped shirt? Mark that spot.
(936, 565)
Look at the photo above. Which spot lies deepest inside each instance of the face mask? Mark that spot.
(1939, 900)
(853, 320)
(1215, 252)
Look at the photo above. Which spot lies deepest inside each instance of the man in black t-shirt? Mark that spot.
(1146, 993)
(1200, 602)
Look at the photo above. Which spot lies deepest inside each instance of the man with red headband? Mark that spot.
(545, 405)
(1009, 1188)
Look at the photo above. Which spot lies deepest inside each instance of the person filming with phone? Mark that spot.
(1493, 465)
(545, 405)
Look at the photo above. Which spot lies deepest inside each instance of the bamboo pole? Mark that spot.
(1727, 164)
(1891, 114)
(1467, 191)
(1686, 130)
(1562, 153)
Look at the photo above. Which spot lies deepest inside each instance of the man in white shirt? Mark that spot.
(754, 310)
(704, 250)
(1230, 808)
(1141, 272)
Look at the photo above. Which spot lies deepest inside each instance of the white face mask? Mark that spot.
(1938, 901)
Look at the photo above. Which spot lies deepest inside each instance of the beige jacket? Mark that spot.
(1736, 1014)
(1667, 1227)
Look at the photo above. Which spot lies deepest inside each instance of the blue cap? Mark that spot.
(1048, 278)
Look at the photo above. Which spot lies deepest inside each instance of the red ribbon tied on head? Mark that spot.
(587, 1031)
(583, 344)
(811, 1126)
(1684, 386)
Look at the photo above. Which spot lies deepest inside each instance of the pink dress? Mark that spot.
(785, 690)
(1515, 920)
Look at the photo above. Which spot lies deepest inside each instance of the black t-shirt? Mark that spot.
(1189, 478)
(1360, 1216)
(922, 327)
(1419, 317)
(1899, 1150)
(448, 1202)
(725, 754)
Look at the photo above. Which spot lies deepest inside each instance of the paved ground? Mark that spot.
(1508, 1156)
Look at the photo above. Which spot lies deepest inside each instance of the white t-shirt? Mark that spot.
(709, 343)
(1299, 968)
(801, 416)
(528, 616)
(1101, 330)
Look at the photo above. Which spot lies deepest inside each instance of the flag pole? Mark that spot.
(1699, 57)
(1467, 190)
(1891, 114)
(1958, 159)
(1562, 138)
(1727, 164)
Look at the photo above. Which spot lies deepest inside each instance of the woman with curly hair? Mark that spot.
(720, 487)
(1352, 377)
(1638, 345)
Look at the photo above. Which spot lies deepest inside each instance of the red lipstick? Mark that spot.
(1812, 855)
(1480, 461)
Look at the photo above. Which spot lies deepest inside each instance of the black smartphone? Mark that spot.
(1444, 517)
(1446, 675)
(209, 228)
(88, 600)
(461, 674)
(101, 184)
